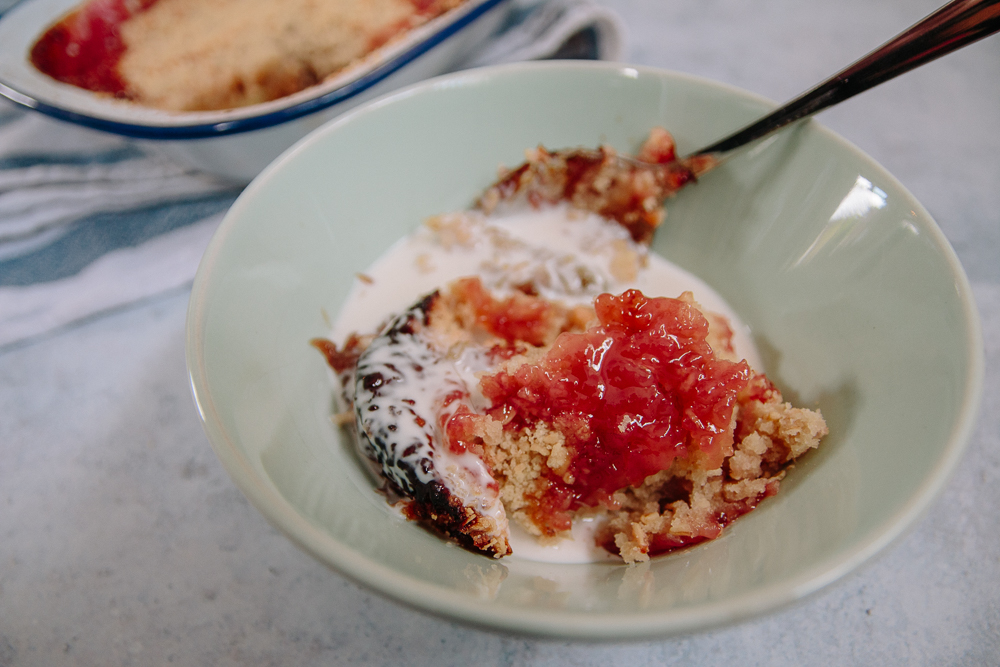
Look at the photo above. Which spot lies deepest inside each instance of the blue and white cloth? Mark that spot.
(90, 223)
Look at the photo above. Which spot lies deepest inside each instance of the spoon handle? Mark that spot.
(951, 27)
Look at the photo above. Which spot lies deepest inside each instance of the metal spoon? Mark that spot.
(951, 27)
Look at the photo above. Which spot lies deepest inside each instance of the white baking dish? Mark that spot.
(237, 143)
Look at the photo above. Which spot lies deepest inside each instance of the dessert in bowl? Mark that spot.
(276, 93)
(543, 379)
(876, 329)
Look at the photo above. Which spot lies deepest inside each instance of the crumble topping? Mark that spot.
(197, 55)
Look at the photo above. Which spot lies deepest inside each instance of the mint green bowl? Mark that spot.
(856, 301)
